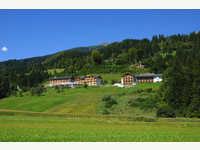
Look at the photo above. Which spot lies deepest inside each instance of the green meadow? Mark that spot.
(52, 129)
(75, 115)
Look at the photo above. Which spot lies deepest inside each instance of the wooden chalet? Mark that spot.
(79, 80)
(92, 80)
(127, 79)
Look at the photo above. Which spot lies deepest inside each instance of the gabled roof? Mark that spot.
(126, 74)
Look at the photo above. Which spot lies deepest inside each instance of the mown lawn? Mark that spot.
(36, 129)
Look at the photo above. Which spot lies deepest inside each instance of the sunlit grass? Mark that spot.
(19, 128)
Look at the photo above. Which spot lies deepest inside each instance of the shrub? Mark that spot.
(20, 93)
(143, 103)
(113, 81)
(140, 99)
(85, 85)
(122, 94)
(106, 98)
(37, 91)
(133, 103)
(104, 82)
(193, 115)
(105, 111)
(148, 90)
(150, 120)
(166, 111)
(108, 101)
(136, 102)
(141, 118)
(139, 91)
(59, 89)
(149, 104)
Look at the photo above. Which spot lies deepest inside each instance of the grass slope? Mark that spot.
(77, 100)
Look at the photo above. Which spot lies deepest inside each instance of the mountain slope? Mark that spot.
(48, 58)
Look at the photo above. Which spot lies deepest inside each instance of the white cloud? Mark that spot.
(4, 48)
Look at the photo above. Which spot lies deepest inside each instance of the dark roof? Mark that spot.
(61, 78)
(98, 77)
(126, 74)
(148, 75)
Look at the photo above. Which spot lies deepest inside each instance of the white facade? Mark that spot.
(69, 84)
(121, 85)
(122, 81)
(118, 85)
(157, 79)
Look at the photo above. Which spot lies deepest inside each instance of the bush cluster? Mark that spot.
(146, 103)
(166, 111)
(107, 103)
(37, 91)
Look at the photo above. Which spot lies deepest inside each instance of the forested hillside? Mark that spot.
(180, 92)
(122, 56)
(34, 60)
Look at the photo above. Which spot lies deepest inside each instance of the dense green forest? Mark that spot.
(176, 56)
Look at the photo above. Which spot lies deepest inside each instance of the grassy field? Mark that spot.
(26, 129)
(57, 70)
(111, 76)
(74, 115)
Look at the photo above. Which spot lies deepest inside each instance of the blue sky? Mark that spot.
(30, 33)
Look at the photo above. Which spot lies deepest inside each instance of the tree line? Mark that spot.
(21, 78)
(180, 91)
